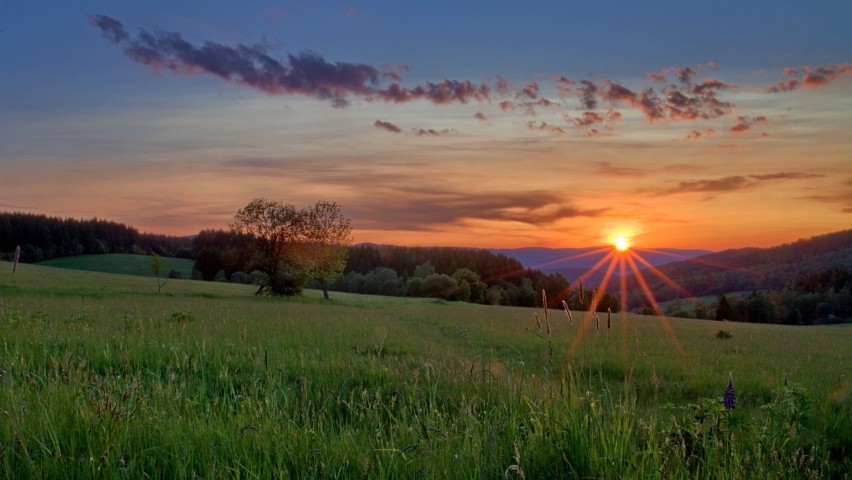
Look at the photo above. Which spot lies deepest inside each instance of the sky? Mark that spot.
(494, 124)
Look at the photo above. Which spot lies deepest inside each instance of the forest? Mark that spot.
(43, 238)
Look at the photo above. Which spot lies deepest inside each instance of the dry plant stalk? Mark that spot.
(568, 313)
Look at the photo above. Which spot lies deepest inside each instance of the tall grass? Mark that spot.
(129, 385)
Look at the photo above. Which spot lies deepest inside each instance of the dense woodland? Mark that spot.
(466, 274)
(43, 238)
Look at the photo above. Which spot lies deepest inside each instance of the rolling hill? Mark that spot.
(750, 269)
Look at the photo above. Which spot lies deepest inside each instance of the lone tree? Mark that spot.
(157, 263)
(295, 245)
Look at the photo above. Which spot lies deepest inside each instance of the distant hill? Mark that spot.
(574, 262)
(750, 269)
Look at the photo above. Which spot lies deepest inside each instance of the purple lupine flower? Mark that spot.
(730, 399)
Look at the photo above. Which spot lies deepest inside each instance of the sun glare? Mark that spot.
(621, 243)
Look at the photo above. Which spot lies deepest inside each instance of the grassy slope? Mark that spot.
(121, 263)
(207, 378)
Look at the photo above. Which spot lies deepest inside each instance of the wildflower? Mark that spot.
(730, 399)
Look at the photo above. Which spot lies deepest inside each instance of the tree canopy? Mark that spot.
(294, 245)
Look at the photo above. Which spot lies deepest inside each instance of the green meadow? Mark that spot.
(123, 263)
(101, 377)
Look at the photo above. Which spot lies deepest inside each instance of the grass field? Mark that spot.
(100, 377)
(121, 263)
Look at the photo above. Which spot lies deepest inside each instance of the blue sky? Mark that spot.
(665, 125)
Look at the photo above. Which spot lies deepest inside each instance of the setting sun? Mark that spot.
(621, 243)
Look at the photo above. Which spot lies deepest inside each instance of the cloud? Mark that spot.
(545, 127)
(607, 168)
(594, 118)
(447, 91)
(809, 77)
(306, 73)
(420, 132)
(481, 117)
(111, 28)
(424, 208)
(744, 123)
(587, 92)
(564, 85)
(430, 132)
(786, 176)
(841, 195)
(695, 134)
(684, 101)
(734, 182)
(715, 185)
(387, 126)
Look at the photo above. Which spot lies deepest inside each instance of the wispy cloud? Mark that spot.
(420, 132)
(610, 169)
(732, 183)
(841, 195)
(431, 209)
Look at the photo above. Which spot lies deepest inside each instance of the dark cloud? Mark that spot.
(786, 176)
(387, 126)
(430, 132)
(587, 92)
(809, 77)
(608, 168)
(683, 101)
(545, 127)
(420, 132)
(716, 185)
(481, 117)
(733, 183)
(306, 73)
(564, 85)
(445, 92)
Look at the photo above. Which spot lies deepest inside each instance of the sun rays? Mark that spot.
(621, 261)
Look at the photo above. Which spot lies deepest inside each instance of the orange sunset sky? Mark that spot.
(711, 127)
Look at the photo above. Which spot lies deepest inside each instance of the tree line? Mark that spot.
(43, 238)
